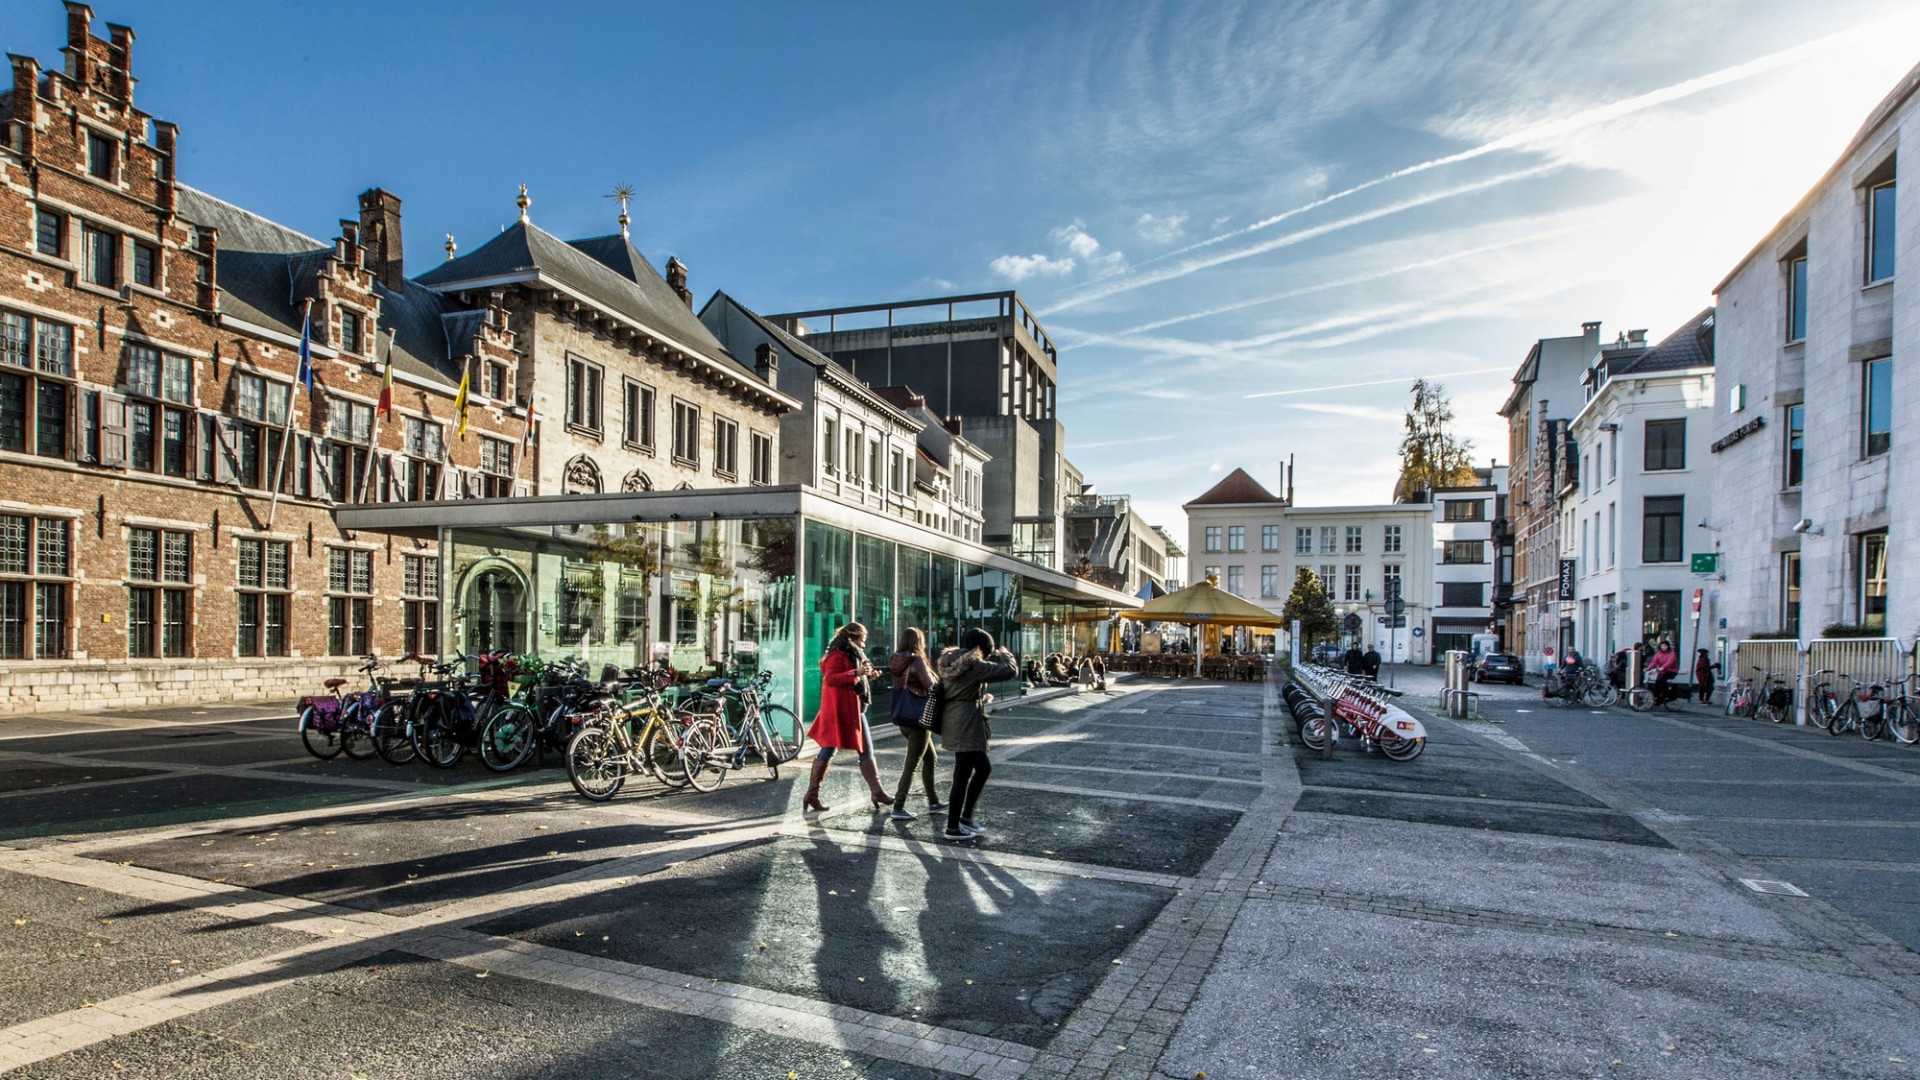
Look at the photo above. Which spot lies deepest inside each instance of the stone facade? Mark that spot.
(1463, 519)
(1833, 541)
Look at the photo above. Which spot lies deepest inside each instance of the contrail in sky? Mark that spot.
(1356, 279)
(1585, 118)
(1140, 281)
(1373, 382)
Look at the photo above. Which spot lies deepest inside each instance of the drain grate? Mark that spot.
(1772, 888)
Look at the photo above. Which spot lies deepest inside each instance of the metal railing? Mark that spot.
(1863, 660)
(1767, 654)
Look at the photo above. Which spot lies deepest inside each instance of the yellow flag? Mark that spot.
(460, 404)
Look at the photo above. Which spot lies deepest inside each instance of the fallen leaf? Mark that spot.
(19, 922)
(763, 946)
(969, 982)
(1419, 1036)
(481, 974)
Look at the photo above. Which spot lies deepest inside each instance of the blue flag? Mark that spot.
(305, 378)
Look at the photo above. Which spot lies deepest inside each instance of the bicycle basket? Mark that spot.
(1779, 697)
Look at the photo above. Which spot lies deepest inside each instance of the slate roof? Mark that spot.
(605, 270)
(739, 330)
(1691, 346)
(265, 269)
(1237, 487)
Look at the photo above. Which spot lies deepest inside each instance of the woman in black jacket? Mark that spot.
(964, 673)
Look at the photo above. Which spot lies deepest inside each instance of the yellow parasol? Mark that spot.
(1204, 603)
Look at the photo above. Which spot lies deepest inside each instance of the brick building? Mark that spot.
(149, 359)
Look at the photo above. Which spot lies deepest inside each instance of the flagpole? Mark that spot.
(526, 444)
(286, 433)
(373, 435)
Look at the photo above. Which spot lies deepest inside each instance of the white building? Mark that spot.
(1815, 425)
(1256, 543)
(1640, 487)
(1464, 558)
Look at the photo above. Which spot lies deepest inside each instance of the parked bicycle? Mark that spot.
(341, 722)
(1584, 685)
(759, 734)
(676, 747)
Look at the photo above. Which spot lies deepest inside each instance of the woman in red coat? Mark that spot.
(842, 720)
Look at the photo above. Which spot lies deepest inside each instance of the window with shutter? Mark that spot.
(113, 430)
(226, 451)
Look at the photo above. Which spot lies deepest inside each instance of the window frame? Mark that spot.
(167, 594)
(103, 156)
(639, 403)
(1678, 537)
(760, 458)
(726, 448)
(1212, 538)
(100, 251)
(42, 219)
(1303, 539)
(1790, 594)
(686, 433)
(1668, 449)
(420, 593)
(1793, 464)
(1796, 298)
(1873, 247)
(1869, 448)
(1270, 538)
(36, 630)
(586, 394)
(1269, 581)
(1865, 544)
(352, 330)
(1237, 538)
(349, 605)
(1390, 540)
(256, 595)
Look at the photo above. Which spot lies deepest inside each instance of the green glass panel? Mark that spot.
(873, 596)
(828, 604)
(911, 578)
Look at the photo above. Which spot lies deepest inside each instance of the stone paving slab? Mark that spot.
(1490, 815)
(1374, 996)
(1584, 880)
(405, 857)
(397, 1017)
(965, 945)
(1433, 774)
(66, 946)
(20, 775)
(1157, 837)
(163, 800)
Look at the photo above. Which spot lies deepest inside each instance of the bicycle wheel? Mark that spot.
(1399, 749)
(1640, 699)
(356, 732)
(595, 763)
(324, 745)
(1559, 699)
(705, 770)
(1903, 722)
(391, 738)
(1600, 695)
(1822, 707)
(788, 735)
(1765, 711)
(660, 753)
(1872, 727)
(775, 750)
(434, 738)
(1843, 717)
(508, 738)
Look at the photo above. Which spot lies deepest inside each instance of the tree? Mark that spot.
(1430, 456)
(1309, 603)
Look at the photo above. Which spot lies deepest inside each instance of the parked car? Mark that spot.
(1499, 667)
(1327, 653)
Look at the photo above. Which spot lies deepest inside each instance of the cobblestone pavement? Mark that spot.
(1167, 890)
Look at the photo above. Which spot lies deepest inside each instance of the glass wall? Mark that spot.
(710, 596)
(829, 602)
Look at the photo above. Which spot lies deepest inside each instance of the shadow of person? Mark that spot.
(964, 900)
(849, 960)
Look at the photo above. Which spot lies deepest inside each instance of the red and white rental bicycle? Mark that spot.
(1362, 708)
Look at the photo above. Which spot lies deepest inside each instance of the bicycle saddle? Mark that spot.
(334, 684)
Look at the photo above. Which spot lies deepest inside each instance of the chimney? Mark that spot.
(26, 84)
(1636, 337)
(347, 248)
(766, 362)
(380, 236)
(955, 426)
(79, 31)
(1589, 337)
(677, 279)
(166, 136)
(122, 38)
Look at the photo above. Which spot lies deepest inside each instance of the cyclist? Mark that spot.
(1664, 667)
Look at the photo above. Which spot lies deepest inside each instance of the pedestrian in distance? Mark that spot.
(913, 683)
(965, 670)
(845, 688)
(1353, 661)
(1704, 670)
(1370, 662)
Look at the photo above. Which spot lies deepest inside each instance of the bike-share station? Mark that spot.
(1328, 705)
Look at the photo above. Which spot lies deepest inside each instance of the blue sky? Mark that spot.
(1170, 186)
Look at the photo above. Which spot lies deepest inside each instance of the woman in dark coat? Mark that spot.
(913, 674)
(964, 673)
(842, 720)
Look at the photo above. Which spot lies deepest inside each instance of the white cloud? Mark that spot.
(1018, 268)
(1156, 229)
(1081, 245)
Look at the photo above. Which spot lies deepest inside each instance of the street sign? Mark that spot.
(1696, 606)
(1350, 624)
(1418, 631)
(1394, 621)
(1567, 578)
(1396, 606)
(1707, 562)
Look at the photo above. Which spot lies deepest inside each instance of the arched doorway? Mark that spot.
(494, 609)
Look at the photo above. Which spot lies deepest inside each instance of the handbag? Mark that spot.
(929, 719)
(908, 707)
